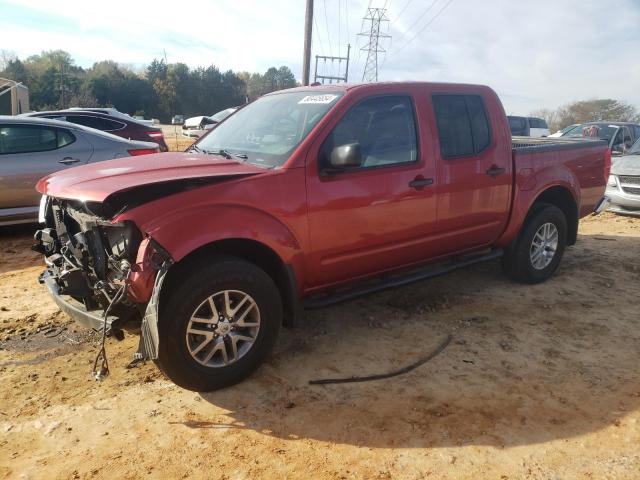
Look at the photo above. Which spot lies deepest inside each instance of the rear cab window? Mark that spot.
(537, 123)
(463, 125)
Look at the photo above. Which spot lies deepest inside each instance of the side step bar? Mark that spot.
(398, 280)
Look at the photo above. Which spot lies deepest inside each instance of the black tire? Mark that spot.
(195, 286)
(517, 262)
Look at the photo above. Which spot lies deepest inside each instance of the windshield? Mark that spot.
(267, 131)
(601, 131)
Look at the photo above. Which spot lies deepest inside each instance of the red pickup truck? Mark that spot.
(304, 198)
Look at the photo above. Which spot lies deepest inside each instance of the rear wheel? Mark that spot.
(218, 326)
(536, 254)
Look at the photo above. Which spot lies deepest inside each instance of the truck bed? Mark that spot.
(522, 144)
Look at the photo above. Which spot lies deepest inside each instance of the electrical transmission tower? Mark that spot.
(377, 17)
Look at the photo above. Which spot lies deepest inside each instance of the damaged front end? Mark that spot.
(100, 272)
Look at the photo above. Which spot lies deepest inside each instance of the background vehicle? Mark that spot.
(623, 187)
(307, 197)
(33, 147)
(528, 126)
(619, 136)
(122, 126)
(561, 131)
(177, 120)
(198, 126)
(113, 112)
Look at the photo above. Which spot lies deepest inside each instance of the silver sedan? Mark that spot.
(31, 148)
(623, 187)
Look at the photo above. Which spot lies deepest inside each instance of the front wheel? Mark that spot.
(536, 254)
(218, 326)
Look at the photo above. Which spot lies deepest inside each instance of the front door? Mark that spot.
(376, 216)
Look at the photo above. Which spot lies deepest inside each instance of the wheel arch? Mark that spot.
(253, 251)
(561, 197)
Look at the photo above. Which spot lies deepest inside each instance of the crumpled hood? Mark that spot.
(95, 182)
(627, 165)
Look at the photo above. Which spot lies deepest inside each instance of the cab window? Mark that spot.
(383, 127)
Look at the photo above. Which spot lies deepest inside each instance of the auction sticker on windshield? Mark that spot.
(318, 99)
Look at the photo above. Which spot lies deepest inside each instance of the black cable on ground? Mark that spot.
(102, 353)
(382, 376)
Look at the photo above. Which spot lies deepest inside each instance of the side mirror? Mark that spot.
(345, 156)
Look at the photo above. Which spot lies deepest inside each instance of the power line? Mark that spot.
(317, 34)
(326, 23)
(425, 26)
(346, 11)
(339, 25)
(433, 3)
(403, 9)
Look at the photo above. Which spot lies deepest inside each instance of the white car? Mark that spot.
(195, 127)
(528, 127)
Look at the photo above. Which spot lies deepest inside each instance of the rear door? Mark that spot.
(474, 171)
(28, 153)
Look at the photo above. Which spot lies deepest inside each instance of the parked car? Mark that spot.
(304, 198)
(114, 113)
(560, 132)
(197, 126)
(33, 147)
(125, 127)
(623, 187)
(177, 120)
(528, 126)
(619, 136)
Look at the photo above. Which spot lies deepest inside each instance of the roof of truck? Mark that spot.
(378, 85)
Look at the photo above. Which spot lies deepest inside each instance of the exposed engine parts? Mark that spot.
(89, 259)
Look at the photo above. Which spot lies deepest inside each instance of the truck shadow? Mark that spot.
(527, 364)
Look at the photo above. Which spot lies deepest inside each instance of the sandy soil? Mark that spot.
(539, 382)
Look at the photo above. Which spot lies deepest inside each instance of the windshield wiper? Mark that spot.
(194, 148)
(229, 155)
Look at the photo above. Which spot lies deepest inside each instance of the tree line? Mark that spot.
(606, 109)
(160, 90)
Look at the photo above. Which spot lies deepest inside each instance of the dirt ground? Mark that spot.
(539, 382)
(174, 138)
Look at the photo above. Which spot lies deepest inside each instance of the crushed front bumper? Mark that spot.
(76, 310)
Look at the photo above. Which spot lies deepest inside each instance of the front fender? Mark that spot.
(182, 231)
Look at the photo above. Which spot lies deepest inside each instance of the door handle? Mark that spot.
(495, 170)
(68, 160)
(420, 182)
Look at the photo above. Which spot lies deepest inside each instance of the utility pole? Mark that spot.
(306, 58)
(376, 16)
(331, 78)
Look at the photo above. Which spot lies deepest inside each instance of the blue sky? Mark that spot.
(535, 54)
